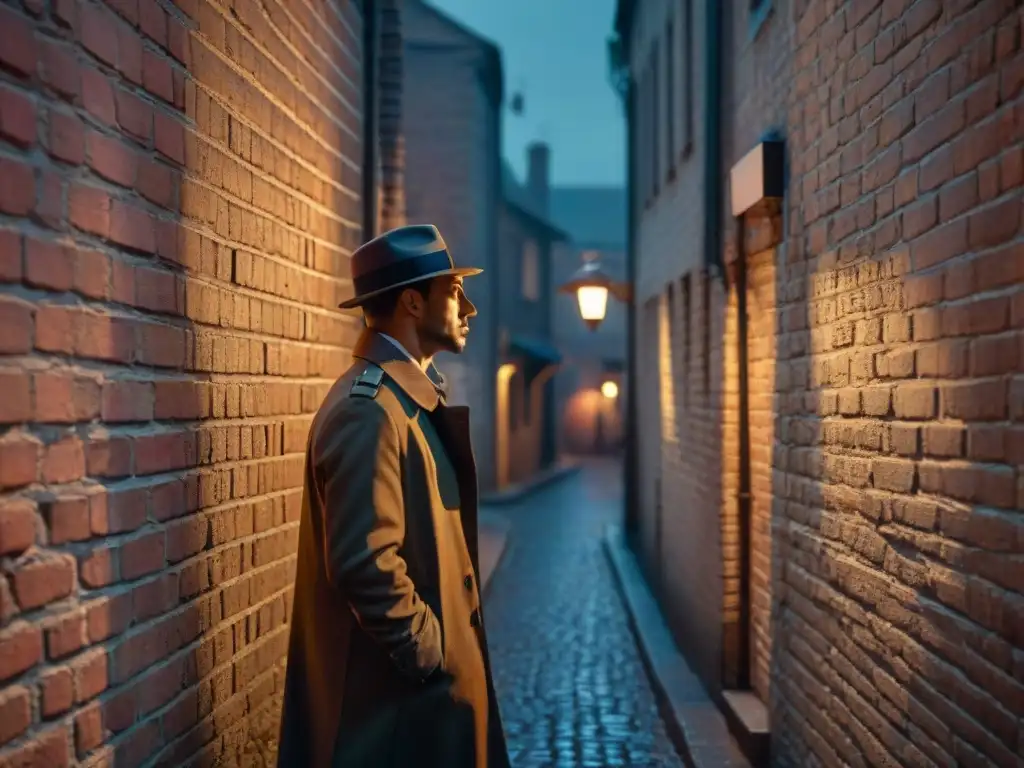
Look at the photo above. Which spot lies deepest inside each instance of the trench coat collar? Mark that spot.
(426, 388)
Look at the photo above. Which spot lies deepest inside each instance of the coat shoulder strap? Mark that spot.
(367, 383)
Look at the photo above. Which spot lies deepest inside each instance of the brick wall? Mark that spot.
(391, 72)
(689, 470)
(687, 487)
(898, 480)
(181, 190)
(885, 309)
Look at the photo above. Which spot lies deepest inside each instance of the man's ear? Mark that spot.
(413, 302)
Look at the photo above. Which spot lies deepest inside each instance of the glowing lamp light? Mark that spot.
(593, 301)
(591, 284)
(610, 390)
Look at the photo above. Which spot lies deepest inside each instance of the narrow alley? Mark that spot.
(571, 683)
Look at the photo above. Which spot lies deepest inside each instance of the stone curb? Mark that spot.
(520, 491)
(696, 726)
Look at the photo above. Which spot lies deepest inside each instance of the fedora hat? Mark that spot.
(402, 256)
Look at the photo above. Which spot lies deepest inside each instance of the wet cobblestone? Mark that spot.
(571, 685)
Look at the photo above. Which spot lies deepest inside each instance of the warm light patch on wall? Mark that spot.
(667, 384)
(505, 374)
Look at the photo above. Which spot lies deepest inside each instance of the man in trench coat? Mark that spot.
(387, 661)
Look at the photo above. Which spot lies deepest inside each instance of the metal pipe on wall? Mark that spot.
(632, 462)
(743, 496)
(713, 170)
(370, 140)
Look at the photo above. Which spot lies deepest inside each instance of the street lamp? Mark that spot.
(592, 285)
(610, 390)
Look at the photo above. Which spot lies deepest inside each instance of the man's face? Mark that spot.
(444, 325)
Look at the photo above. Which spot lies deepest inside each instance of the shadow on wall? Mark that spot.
(184, 333)
(684, 341)
(713, 576)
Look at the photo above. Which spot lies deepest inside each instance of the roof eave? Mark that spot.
(555, 234)
(624, 13)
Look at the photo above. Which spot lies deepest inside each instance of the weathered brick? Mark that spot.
(943, 440)
(56, 690)
(21, 648)
(19, 462)
(39, 582)
(17, 43)
(67, 518)
(914, 401)
(65, 635)
(17, 118)
(17, 403)
(15, 713)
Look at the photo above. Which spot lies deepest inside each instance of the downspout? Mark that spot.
(494, 81)
(713, 170)
(743, 496)
(495, 360)
(632, 468)
(370, 141)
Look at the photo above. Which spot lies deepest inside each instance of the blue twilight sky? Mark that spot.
(554, 53)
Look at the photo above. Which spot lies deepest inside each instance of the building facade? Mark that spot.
(828, 312)
(527, 422)
(452, 100)
(591, 418)
(183, 186)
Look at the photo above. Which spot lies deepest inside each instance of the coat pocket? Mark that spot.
(372, 744)
(434, 728)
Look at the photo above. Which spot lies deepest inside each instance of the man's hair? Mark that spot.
(382, 306)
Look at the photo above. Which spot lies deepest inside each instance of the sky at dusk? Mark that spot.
(554, 53)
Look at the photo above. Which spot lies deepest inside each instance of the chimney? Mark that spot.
(538, 156)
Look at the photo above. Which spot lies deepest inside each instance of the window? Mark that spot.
(706, 330)
(640, 139)
(668, 397)
(687, 59)
(670, 96)
(531, 271)
(687, 309)
(655, 122)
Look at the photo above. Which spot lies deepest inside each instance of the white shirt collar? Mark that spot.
(401, 348)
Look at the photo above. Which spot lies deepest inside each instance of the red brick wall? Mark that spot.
(901, 411)
(181, 190)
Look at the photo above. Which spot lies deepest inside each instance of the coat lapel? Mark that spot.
(452, 425)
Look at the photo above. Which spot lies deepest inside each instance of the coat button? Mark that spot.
(474, 619)
(468, 581)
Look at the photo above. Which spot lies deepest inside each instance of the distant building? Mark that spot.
(590, 416)
(452, 100)
(527, 423)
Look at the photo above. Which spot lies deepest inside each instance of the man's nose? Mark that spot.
(466, 307)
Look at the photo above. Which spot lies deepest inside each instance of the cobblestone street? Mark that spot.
(572, 687)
